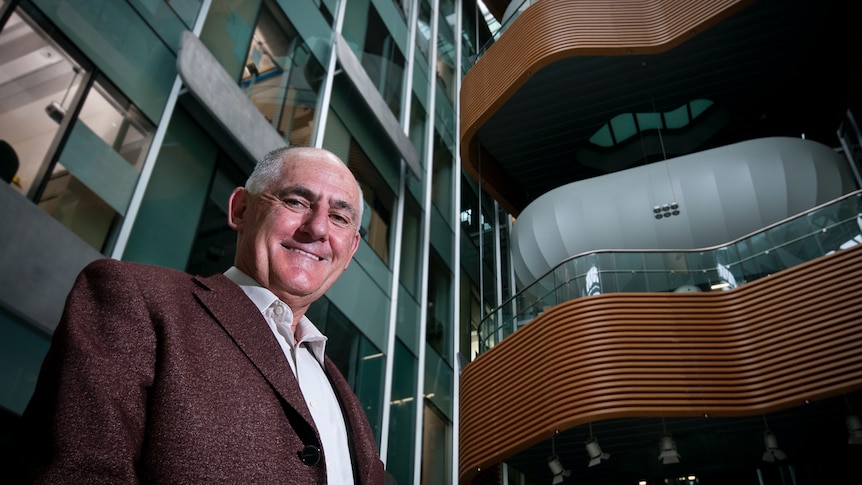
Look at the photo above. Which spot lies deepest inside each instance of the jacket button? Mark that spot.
(310, 455)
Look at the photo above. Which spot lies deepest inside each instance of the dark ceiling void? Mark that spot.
(813, 437)
(775, 68)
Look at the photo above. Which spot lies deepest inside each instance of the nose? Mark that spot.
(316, 223)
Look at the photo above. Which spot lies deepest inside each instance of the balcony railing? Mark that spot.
(817, 232)
(522, 5)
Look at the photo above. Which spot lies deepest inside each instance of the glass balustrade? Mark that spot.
(817, 232)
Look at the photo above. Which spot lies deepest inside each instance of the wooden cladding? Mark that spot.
(768, 345)
(556, 29)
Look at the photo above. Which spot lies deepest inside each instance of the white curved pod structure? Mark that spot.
(722, 194)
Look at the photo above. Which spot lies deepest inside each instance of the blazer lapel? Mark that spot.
(241, 319)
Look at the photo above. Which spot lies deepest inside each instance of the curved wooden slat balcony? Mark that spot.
(551, 30)
(768, 345)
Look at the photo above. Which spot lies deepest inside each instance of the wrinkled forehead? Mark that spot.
(321, 172)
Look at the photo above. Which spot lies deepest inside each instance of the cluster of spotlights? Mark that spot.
(668, 453)
(683, 480)
(594, 451)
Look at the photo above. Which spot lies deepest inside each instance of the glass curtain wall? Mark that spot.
(82, 127)
(484, 282)
(76, 141)
(282, 77)
(376, 32)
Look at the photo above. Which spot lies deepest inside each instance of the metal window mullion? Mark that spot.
(326, 91)
(426, 245)
(397, 247)
(155, 147)
(456, 276)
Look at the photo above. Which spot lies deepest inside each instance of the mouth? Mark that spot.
(306, 254)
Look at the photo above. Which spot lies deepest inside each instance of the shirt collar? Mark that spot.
(306, 331)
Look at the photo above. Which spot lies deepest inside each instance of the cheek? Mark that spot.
(346, 249)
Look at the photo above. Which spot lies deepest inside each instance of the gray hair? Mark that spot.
(266, 172)
(269, 170)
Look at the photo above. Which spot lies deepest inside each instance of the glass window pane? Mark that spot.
(441, 180)
(186, 10)
(698, 106)
(423, 29)
(379, 201)
(438, 331)
(623, 127)
(227, 32)
(436, 448)
(38, 83)
(126, 49)
(22, 350)
(92, 182)
(649, 121)
(602, 137)
(383, 61)
(282, 77)
(411, 233)
(417, 126)
(361, 363)
(446, 49)
(402, 415)
(677, 118)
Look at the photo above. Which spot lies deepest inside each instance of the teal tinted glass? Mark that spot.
(407, 326)
(124, 47)
(438, 382)
(677, 118)
(164, 19)
(168, 218)
(623, 126)
(649, 121)
(96, 173)
(282, 77)
(436, 448)
(360, 361)
(228, 31)
(402, 417)
(21, 352)
(186, 10)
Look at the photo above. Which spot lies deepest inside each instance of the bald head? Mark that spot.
(275, 164)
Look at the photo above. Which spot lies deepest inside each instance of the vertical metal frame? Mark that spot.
(392, 324)
(158, 139)
(428, 156)
(456, 276)
(322, 106)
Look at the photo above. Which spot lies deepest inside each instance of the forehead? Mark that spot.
(321, 173)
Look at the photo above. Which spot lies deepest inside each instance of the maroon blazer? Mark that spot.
(156, 376)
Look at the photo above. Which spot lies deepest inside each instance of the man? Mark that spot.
(156, 376)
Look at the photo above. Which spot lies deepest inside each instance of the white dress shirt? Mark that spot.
(304, 352)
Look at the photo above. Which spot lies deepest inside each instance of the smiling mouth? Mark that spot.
(306, 254)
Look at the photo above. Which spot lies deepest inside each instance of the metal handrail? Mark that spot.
(547, 288)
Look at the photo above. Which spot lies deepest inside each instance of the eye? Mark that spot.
(294, 203)
(340, 219)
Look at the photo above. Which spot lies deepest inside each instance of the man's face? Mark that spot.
(297, 236)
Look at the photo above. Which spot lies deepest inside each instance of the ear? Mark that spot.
(237, 206)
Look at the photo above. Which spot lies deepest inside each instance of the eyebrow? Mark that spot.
(311, 195)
